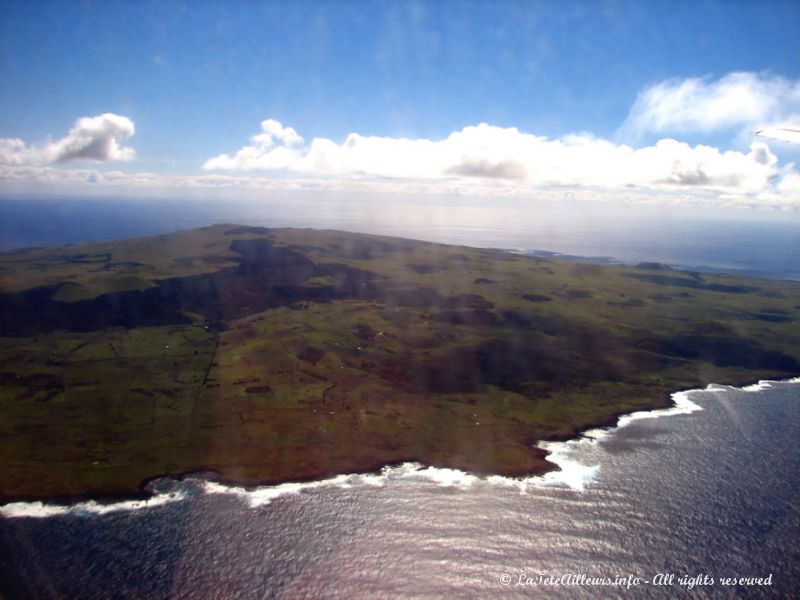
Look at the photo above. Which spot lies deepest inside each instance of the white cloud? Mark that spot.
(510, 157)
(737, 100)
(782, 193)
(250, 157)
(94, 139)
(13, 151)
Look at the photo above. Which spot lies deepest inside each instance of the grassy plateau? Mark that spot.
(270, 355)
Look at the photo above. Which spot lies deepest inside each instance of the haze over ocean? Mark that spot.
(763, 244)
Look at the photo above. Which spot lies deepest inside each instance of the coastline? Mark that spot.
(553, 450)
(438, 364)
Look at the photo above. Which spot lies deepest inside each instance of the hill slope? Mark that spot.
(272, 355)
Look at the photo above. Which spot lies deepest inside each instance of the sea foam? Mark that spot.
(87, 508)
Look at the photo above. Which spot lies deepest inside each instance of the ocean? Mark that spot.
(698, 501)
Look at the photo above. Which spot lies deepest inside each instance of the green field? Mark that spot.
(285, 354)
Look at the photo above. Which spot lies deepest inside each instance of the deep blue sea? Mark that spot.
(679, 503)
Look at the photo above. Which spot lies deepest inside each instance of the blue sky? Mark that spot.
(196, 80)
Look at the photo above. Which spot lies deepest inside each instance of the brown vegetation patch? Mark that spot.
(310, 354)
(426, 268)
(722, 351)
(364, 332)
(258, 389)
(474, 301)
(246, 229)
(696, 282)
(367, 248)
(536, 298)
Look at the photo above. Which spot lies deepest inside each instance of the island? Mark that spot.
(272, 355)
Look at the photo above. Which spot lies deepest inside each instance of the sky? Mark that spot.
(648, 102)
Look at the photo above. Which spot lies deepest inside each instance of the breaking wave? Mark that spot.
(89, 507)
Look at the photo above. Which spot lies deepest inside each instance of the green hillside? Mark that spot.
(286, 354)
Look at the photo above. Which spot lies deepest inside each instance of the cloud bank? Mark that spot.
(93, 139)
(510, 157)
